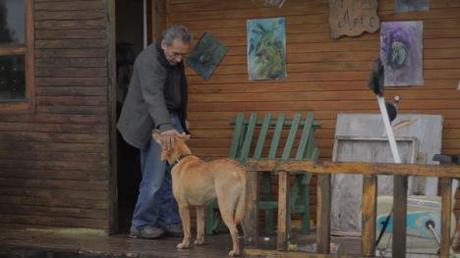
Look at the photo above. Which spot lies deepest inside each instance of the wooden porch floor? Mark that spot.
(36, 243)
(91, 244)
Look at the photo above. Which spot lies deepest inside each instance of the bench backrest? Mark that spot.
(246, 144)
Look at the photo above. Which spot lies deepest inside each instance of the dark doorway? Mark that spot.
(129, 43)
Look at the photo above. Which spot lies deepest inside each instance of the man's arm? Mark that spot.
(152, 80)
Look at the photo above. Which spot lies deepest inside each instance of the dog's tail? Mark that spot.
(240, 211)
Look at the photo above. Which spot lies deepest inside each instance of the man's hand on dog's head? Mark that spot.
(168, 138)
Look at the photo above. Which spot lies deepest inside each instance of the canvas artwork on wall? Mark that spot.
(411, 5)
(401, 51)
(206, 55)
(266, 51)
(278, 3)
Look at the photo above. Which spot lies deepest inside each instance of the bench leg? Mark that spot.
(299, 202)
(213, 218)
(305, 199)
(268, 195)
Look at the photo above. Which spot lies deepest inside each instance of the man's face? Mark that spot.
(176, 52)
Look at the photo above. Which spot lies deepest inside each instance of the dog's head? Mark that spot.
(180, 147)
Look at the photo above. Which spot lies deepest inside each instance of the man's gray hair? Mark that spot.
(177, 32)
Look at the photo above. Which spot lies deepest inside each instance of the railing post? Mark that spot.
(323, 238)
(283, 211)
(369, 208)
(446, 195)
(252, 210)
(400, 213)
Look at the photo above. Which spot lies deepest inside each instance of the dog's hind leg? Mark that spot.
(184, 212)
(200, 239)
(227, 209)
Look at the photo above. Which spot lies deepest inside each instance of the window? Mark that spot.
(16, 55)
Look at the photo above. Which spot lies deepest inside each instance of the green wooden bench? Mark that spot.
(280, 130)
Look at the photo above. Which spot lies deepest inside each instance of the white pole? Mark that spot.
(389, 130)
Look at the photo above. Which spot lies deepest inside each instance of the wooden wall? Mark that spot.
(54, 161)
(324, 76)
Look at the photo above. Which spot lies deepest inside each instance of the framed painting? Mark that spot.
(206, 55)
(402, 6)
(401, 51)
(266, 51)
(278, 3)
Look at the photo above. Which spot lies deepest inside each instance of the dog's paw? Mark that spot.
(200, 241)
(234, 253)
(183, 245)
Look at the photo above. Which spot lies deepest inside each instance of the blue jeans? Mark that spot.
(156, 205)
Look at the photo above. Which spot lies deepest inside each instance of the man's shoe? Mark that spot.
(174, 230)
(133, 232)
(147, 232)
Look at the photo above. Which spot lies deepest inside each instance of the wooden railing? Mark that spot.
(445, 173)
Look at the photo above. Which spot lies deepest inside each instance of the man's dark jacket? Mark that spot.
(156, 89)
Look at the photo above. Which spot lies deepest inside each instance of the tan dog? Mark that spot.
(196, 182)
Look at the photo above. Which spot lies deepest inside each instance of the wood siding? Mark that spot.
(54, 162)
(324, 76)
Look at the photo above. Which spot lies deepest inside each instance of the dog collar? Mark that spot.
(181, 157)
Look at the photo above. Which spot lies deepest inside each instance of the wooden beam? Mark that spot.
(446, 195)
(113, 216)
(364, 168)
(323, 238)
(158, 19)
(251, 210)
(399, 218)
(283, 211)
(369, 204)
(30, 72)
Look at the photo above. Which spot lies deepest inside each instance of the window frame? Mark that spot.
(28, 104)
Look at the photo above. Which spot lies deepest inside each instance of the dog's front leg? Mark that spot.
(200, 240)
(184, 213)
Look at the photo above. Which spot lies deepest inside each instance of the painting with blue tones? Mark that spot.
(206, 55)
(266, 49)
(401, 51)
(402, 6)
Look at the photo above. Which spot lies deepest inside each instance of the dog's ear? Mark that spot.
(156, 136)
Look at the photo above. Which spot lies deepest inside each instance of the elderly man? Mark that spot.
(156, 99)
